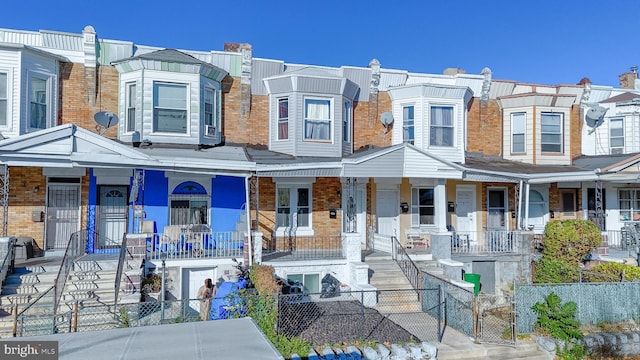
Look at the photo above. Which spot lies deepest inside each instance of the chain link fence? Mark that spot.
(496, 319)
(458, 303)
(596, 302)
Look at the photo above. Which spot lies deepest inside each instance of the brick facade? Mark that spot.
(484, 127)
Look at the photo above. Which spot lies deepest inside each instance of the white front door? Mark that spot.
(465, 208)
(387, 210)
(193, 279)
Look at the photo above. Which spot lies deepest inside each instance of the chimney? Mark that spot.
(628, 79)
(454, 71)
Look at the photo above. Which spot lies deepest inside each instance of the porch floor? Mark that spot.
(295, 255)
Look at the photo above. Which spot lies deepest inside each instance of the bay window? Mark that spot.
(317, 119)
(170, 108)
(441, 126)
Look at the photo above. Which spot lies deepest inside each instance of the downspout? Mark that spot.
(247, 210)
(519, 224)
(526, 208)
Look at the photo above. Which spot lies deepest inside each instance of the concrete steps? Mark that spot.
(523, 350)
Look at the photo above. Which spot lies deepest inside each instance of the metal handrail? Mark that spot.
(121, 261)
(7, 261)
(408, 267)
(75, 248)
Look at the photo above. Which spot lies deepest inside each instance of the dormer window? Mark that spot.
(408, 131)
(441, 128)
(169, 108)
(3, 99)
(38, 103)
(131, 106)
(551, 132)
(317, 119)
(283, 119)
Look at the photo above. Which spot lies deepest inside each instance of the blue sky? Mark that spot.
(542, 41)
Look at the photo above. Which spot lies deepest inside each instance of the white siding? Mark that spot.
(10, 63)
(554, 159)
(32, 64)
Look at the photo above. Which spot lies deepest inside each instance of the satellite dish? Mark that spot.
(595, 117)
(105, 118)
(386, 118)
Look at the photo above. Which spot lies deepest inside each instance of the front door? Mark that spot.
(112, 214)
(497, 209)
(465, 208)
(387, 210)
(568, 204)
(63, 212)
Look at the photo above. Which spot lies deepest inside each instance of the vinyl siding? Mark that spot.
(331, 148)
(554, 159)
(113, 51)
(283, 146)
(390, 165)
(32, 64)
(262, 69)
(10, 63)
(361, 77)
(318, 85)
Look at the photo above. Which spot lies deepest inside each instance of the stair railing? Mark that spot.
(408, 267)
(121, 262)
(7, 262)
(76, 248)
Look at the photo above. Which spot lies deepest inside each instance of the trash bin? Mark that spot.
(475, 280)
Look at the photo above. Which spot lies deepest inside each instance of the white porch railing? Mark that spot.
(615, 239)
(483, 242)
(191, 245)
(379, 242)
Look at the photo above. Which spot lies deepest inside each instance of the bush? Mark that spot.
(559, 321)
(550, 270)
(570, 240)
(153, 283)
(612, 271)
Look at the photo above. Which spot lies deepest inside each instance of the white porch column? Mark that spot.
(440, 201)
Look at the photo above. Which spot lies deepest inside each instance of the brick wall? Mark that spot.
(27, 190)
(367, 128)
(576, 131)
(484, 127)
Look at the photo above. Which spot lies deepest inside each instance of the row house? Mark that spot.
(207, 156)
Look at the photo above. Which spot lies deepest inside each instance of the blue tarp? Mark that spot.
(225, 300)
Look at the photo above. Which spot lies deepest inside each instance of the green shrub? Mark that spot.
(612, 271)
(559, 321)
(550, 270)
(570, 240)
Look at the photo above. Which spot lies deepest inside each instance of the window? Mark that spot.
(616, 135)
(210, 111)
(441, 126)
(3, 99)
(310, 282)
(346, 122)
(629, 204)
(293, 207)
(131, 106)
(170, 108)
(189, 204)
(407, 124)
(518, 122)
(551, 132)
(422, 207)
(38, 104)
(283, 119)
(317, 119)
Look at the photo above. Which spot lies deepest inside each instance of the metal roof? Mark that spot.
(169, 55)
(601, 161)
(516, 167)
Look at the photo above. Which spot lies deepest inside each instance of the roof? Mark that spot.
(626, 96)
(602, 161)
(516, 167)
(220, 339)
(168, 55)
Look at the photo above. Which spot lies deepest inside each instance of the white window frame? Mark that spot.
(304, 280)
(519, 117)
(209, 116)
(284, 120)
(433, 127)
(5, 100)
(559, 116)
(405, 124)
(46, 101)
(629, 206)
(186, 109)
(308, 119)
(416, 219)
(619, 136)
(131, 102)
(293, 216)
(347, 117)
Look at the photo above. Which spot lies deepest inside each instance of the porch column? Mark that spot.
(440, 200)
(526, 205)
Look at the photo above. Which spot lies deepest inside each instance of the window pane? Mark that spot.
(282, 217)
(312, 283)
(131, 107)
(283, 119)
(408, 134)
(208, 106)
(317, 124)
(38, 108)
(496, 199)
(426, 196)
(346, 122)
(3, 86)
(441, 130)
(551, 128)
(303, 197)
(170, 108)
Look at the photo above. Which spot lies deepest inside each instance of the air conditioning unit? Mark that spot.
(209, 130)
(616, 151)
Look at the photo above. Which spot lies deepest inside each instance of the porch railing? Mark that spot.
(615, 239)
(189, 245)
(122, 260)
(7, 260)
(75, 248)
(483, 242)
(304, 247)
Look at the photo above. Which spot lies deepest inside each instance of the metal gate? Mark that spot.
(63, 214)
(496, 319)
